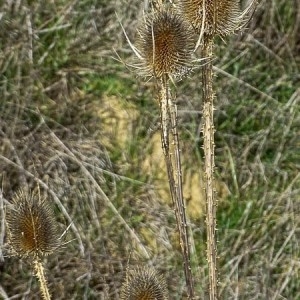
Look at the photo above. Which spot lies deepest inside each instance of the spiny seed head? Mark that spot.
(143, 284)
(165, 44)
(214, 17)
(31, 225)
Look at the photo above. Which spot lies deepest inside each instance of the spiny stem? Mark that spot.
(39, 271)
(164, 114)
(181, 205)
(169, 117)
(208, 132)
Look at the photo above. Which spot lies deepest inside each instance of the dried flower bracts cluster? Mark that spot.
(165, 44)
(215, 17)
(143, 283)
(31, 226)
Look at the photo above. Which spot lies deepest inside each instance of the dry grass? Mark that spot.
(57, 73)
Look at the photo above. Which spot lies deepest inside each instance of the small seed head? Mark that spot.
(215, 17)
(31, 226)
(143, 284)
(165, 44)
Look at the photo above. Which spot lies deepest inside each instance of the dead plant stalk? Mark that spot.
(39, 269)
(209, 163)
(173, 165)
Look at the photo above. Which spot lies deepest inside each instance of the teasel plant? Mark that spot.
(32, 232)
(164, 50)
(211, 18)
(143, 283)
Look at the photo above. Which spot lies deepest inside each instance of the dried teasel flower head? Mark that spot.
(143, 283)
(165, 44)
(216, 17)
(31, 225)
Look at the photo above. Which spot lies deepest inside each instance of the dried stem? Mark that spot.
(39, 269)
(169, 119)
(208, 132)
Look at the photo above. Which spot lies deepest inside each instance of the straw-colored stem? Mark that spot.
(181, 204)
(169, 123)
(208, 132)
(39, 271)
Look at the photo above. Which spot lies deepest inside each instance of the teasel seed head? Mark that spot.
(31, 226)
(165, 44)
(143, 283)
(216, 17)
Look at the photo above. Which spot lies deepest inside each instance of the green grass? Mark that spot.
(110, 84)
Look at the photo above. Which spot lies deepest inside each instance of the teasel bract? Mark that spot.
(31, 226)
(143, 283)
(165, 44)
(216, 17)
(32, 232)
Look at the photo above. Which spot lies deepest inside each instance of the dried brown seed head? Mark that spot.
(165, 44)
(31, 226)
(215, 17)
(143, 284)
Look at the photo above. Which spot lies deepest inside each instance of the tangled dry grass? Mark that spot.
(57, 71)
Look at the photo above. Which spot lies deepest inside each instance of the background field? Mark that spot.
(77, 123)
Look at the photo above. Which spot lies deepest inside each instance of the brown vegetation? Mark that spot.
(58, 70)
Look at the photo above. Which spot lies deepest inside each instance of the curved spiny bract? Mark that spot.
(165, 45)
(143, 284)
(214, 17)
(31, 226)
